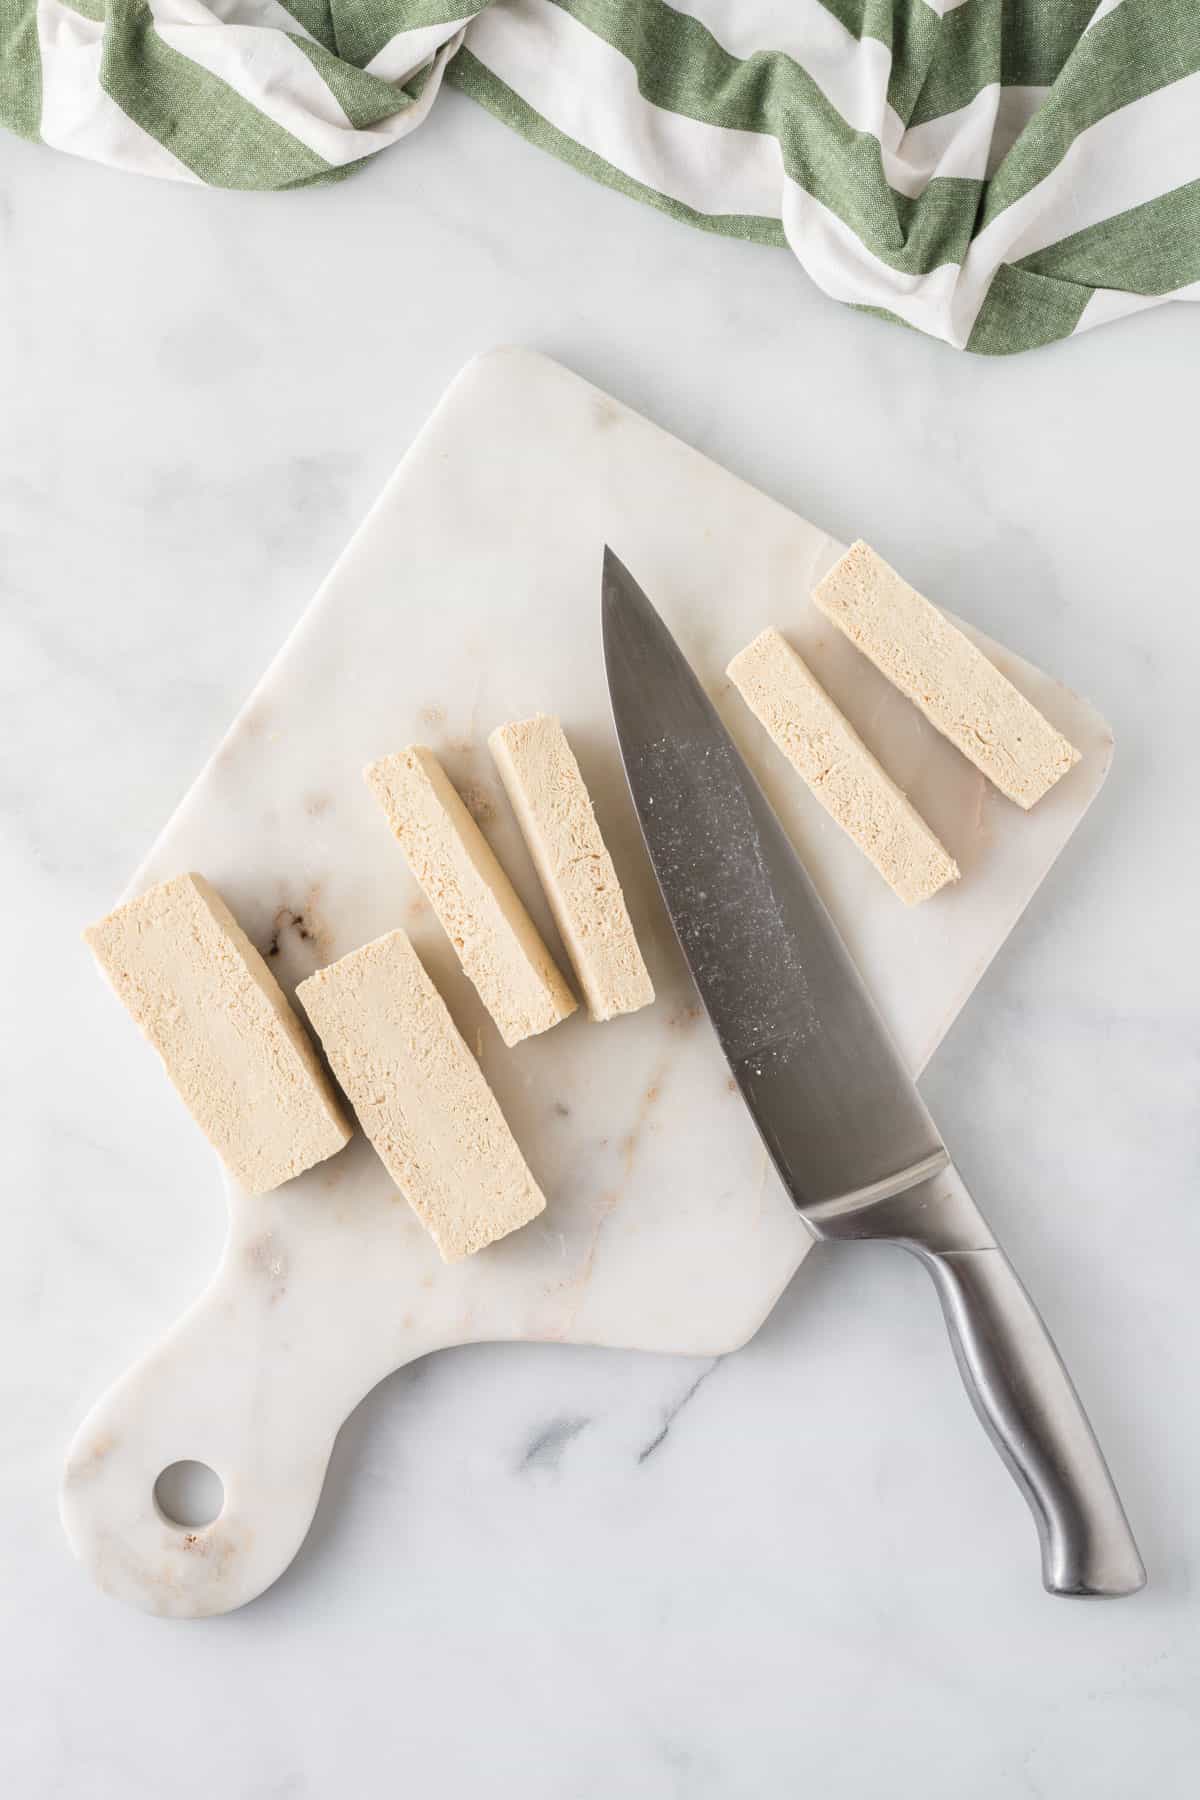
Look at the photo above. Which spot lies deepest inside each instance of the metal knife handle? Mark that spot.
(1018, 1386)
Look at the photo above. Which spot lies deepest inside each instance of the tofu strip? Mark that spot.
(234, 1050)
(822, 745)
(497, 942)
(555, 813)
(942, 672)
(420, 1096)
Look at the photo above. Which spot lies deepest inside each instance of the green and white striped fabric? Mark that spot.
(997, 173)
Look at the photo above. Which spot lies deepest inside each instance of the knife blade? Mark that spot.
(841, 1117)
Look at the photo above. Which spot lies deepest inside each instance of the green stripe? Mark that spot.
(362, 27)
(414, 87)
(916, 42)
(853, 14)
(468, 74)
(219, 136)
(1019, 43)
(364, 99)
(944, 62)
(1143, 46)
(20, 69)
(88, 9)
(1024, 311)
(940, 64)
(880, 19)
(316, 16)
(1150, 249)
(1039, 40)
(681, 67)
(938, 223)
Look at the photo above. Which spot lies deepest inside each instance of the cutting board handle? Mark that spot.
(258, 1398)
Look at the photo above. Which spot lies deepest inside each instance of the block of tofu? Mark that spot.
(233, 1048)
(497, 942)
(942, 672)
(822, 745)
(556, 816)
(420, 1096)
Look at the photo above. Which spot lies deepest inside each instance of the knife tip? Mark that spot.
(611, 580)
(627, 615)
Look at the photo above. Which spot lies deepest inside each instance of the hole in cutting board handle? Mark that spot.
(189, 1493)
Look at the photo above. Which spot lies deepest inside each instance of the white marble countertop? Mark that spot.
(543, 1572)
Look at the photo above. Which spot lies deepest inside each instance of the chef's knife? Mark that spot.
(839, 1113)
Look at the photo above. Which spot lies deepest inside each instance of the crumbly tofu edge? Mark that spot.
(280, 1036)
(840, 771)
(421, 1097)
(498, 944)
(936, 666)
(554, 810)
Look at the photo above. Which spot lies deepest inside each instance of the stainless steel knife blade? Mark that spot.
(838, 1110)
(839, 1113)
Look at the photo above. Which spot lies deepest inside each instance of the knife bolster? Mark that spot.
(926, 1210)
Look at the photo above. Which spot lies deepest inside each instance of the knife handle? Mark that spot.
(1019, 1388)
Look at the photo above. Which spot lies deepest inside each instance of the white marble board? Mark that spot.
(468, 597)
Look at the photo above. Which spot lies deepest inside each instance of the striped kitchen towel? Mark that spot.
(997, 173)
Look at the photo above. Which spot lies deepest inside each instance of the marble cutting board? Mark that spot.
(471, 596)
